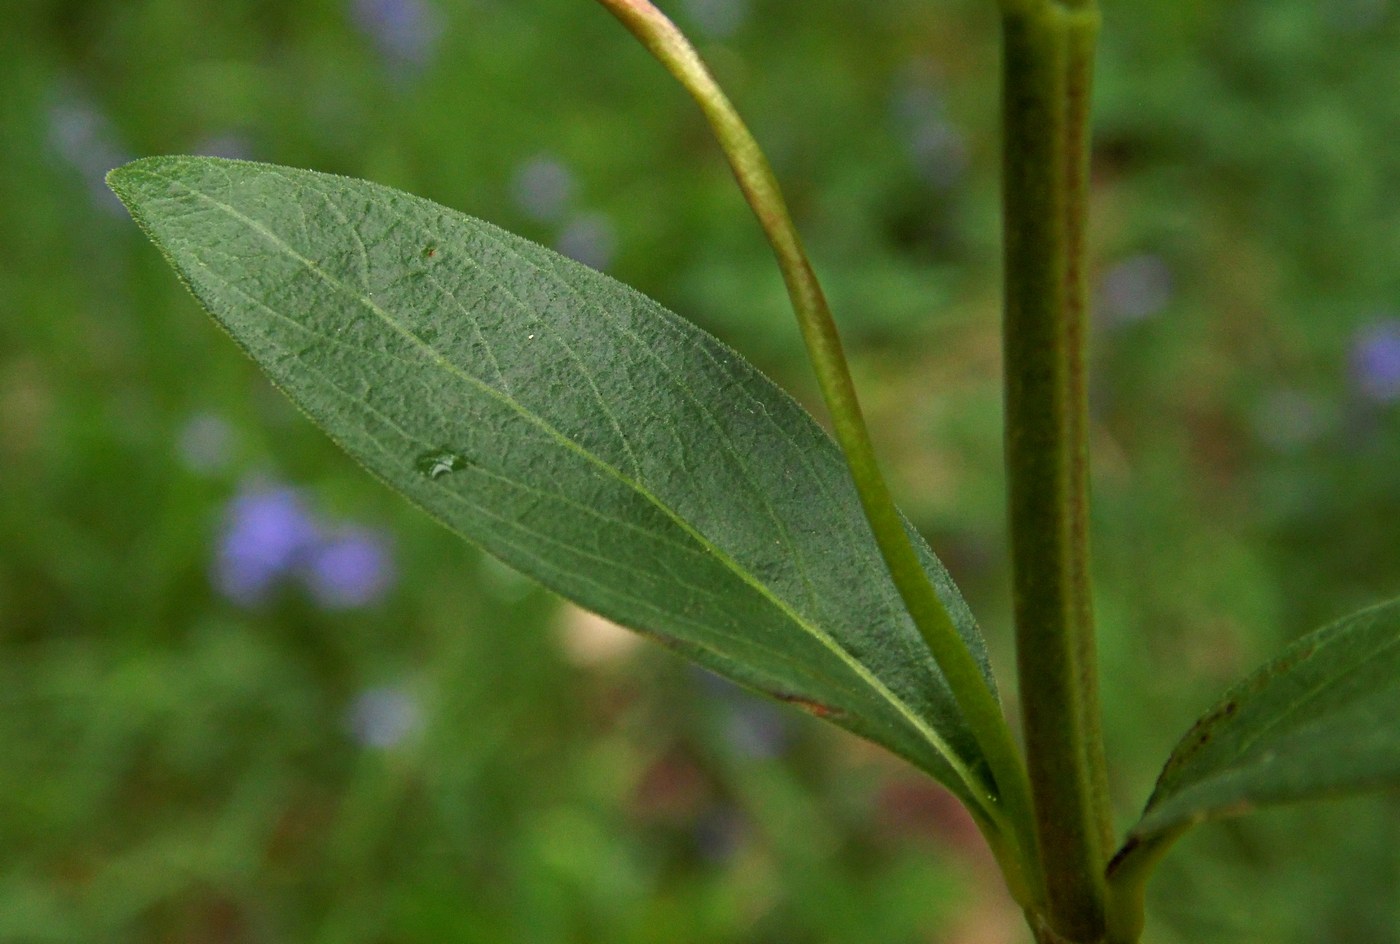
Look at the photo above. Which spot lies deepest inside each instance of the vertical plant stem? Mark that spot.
(1010, 811)
(1047, 71)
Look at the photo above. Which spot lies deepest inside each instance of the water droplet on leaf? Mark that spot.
(440, 462)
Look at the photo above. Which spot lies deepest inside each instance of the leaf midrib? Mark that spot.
(775, 654)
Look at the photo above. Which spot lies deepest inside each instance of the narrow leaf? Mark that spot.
(572, 427)
(1323, 719)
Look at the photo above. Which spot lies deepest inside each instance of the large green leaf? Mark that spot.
(570, 426)
(1323, 719)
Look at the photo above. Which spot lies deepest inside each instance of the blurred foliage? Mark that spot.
(451, 756)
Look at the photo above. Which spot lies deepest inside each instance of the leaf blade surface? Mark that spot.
(570, 426)
(1322, 719)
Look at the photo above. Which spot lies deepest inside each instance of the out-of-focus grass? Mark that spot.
(397, 741)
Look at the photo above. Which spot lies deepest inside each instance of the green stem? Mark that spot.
(1047, 71)
(979, 705)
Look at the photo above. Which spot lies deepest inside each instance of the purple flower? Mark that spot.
(755, 727)
(83, 137)
(405, 31)
(934, 144)
(349, 569)
(270, 539)
(1375, 361)
(719, 19)
(266, 536)
(1136, 289)
(720, 833)
(939, 151)
(383, 716)
(543, 187)
(588, 239)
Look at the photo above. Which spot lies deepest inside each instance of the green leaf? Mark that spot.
(1323, 719)
(573, 428)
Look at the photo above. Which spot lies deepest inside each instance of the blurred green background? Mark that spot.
(247, 695)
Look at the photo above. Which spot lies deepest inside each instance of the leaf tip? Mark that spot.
(125, 181)
(118, 178)
(132, 178)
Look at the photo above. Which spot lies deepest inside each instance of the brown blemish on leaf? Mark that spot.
(1199, 736)
(811, 707)
(1204, 730)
